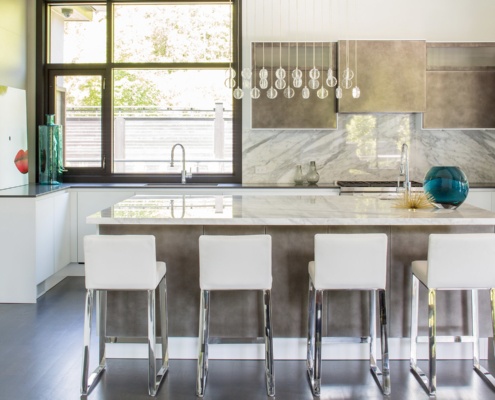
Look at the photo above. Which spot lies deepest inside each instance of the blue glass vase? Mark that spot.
(448, 186)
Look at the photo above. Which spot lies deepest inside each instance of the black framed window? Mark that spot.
(129, 79)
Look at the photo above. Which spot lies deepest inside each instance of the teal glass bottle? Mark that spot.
(50, 152)
(447, 185)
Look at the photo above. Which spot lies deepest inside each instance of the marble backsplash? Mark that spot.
(366, 147)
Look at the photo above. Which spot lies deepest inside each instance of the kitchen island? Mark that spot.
(292, 221)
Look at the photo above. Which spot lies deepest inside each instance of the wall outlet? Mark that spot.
(260, 169)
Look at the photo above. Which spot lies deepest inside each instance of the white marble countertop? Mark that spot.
(279, 210)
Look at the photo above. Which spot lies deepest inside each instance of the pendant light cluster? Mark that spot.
(287, 79)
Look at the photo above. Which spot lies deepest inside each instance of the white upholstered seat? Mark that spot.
(241, 262)
(235, 262)
(348, 262)
(123, 262)
(455, 262)
(126, 262)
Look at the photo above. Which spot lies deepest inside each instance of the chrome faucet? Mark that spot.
(184, 174)
(404, 168)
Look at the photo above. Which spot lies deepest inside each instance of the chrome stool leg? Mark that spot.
(155, 378)
(387, 387)
(204, 326)
(151, 342)
(88, 382)
(429, 383)
(485, 375)
(316, 383)
(382, 378)
(417, 372)
(311, 333)
(269, 373)
(164, 326)
(432, 334)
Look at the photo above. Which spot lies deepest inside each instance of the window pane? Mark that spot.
(78, 109)
(155, 109)
(172, 33)
(77, 33)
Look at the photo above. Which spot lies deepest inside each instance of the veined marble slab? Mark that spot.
(279, 210)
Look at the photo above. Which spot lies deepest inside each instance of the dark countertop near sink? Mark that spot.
(35, 190)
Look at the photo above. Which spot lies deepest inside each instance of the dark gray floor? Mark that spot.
(40, 356)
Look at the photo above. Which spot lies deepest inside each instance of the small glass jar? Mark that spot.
(312, 176)
(298, 176)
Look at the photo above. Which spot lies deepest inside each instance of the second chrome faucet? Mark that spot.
(404, 168)
(184, 173)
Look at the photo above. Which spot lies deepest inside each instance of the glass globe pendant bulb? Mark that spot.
(263, 73)
(246, 83)
(229, 83)
(280, 84)
(314, 73)
(297, 73)
(280, 73)
(331, 79)
(263, 83)
(289, 92)
(246, 73)
(338, 92)
(348, 73)
(230, 73)
(297, 82)
(305, 93)
(238, 93)
(271, 93)
(347, 83)
(255, 93)
(356, 92)
(322, 93)
(313, 84)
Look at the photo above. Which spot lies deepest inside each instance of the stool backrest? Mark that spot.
(350, 261)
(457, 261)
(120, 262)
(242, 262)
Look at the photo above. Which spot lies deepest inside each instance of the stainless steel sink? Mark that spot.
(358, 187)
(182, 186)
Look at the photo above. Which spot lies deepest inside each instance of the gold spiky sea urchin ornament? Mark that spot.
(414, 201)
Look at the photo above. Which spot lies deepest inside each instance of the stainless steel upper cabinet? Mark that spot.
(460, 86)
(391, 75)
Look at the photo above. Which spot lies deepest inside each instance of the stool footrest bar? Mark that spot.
(485, 375)
(448, 339)
(235, 340)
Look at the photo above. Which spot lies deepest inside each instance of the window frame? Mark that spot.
(45, 100)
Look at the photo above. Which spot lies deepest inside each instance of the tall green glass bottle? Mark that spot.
(50, 152)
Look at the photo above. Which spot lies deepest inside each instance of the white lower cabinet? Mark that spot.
(45, 233)
(34, 243)
(52, 235)
(482, 198)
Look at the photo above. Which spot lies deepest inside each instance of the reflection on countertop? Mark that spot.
(253, 209)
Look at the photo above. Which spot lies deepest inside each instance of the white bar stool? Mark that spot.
(234, 263)
(455, 262)
(123, 262)
(348, 262)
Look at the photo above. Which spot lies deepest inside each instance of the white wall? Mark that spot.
(13, 43)
(431, 20)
